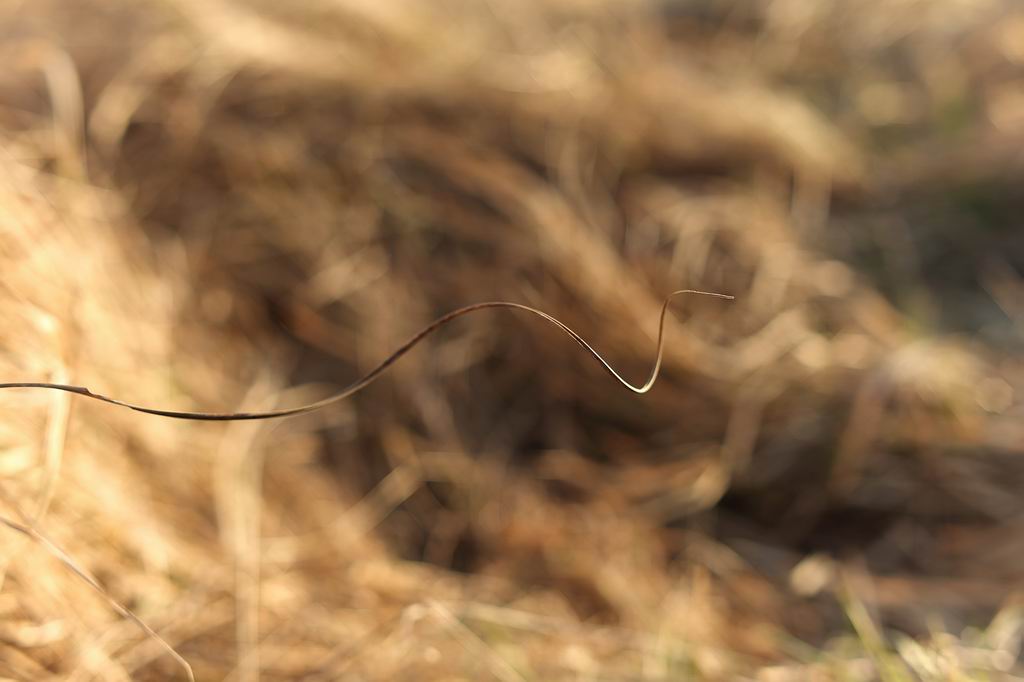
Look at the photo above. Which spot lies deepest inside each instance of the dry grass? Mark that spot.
(219, 205)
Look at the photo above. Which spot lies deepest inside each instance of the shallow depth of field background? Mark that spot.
(223, 205)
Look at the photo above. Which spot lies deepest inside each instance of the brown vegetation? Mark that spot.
(220, 205)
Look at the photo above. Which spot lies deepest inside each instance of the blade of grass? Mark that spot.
(372, 375)
(26, 529)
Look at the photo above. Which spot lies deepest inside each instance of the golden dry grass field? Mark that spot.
(228, 205)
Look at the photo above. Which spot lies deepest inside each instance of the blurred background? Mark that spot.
(225, 205)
